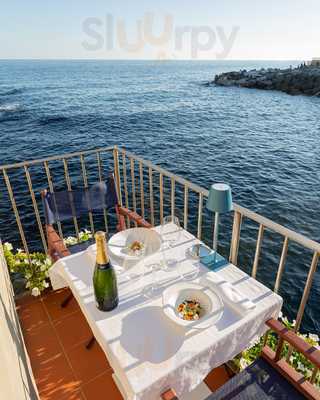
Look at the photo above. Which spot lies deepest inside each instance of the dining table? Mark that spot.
(148, 351)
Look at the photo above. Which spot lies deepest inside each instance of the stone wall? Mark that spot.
(16, 379)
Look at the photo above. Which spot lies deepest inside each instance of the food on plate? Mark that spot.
(189, 310)
(136, 247)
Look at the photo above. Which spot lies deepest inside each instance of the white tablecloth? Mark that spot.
(148, 352)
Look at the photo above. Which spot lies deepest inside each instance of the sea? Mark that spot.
(265, 144)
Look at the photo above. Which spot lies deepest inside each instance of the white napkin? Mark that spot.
(236, 300)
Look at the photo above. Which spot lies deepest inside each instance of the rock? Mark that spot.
(301, 80)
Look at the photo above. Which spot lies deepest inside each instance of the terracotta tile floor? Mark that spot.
(63, 368)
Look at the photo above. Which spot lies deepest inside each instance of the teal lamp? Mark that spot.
(219, 201)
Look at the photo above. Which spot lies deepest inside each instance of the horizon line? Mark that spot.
(150, 59)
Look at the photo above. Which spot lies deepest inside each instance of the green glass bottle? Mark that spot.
(104, 277)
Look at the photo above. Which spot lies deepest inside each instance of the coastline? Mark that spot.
(303, 80)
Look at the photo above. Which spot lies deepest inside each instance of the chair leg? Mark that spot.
(66, 301)
(90, 343)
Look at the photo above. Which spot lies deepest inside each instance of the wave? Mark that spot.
(10, 92)
(10, 107)
(52, 119)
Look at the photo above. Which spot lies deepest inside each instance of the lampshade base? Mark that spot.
(214, 261)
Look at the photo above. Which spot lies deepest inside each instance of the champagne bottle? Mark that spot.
(104, 277)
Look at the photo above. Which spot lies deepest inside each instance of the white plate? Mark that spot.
(209, 299)
(118, 243)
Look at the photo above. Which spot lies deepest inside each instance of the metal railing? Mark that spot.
(137, 189)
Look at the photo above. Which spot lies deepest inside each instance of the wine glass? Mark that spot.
(150, 289)
(171, 230)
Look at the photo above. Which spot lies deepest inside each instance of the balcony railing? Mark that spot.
(149, 190)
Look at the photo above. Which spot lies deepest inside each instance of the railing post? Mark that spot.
(161, 197)
(16, 213)
(36, 210)
(185, 208)
(307, 289)
(151, 196)
(141, 188)
(173, 198)
(199, 230)
(281, 264)
(125, 183)
(105, 217)
(133, 186)
(85, 183)
(236, 229)
(258, 250)
(117, 173)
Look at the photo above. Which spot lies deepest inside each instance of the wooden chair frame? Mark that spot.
(56, 247)
(274, 359)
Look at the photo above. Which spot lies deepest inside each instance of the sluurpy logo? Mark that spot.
(173, 41)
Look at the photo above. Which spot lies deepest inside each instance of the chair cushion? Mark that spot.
(76, 248)
(258, 381)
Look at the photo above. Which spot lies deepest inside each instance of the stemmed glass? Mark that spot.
(170, 232)
(150, 290)
(171, 229)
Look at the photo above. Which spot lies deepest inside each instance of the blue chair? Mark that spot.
(64, 205)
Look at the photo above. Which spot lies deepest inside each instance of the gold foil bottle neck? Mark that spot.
(102, 255)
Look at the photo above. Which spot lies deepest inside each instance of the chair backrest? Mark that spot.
(63, 205)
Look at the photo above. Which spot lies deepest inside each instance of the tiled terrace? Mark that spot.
(63, 368)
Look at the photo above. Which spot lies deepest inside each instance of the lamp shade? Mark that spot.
(220, 198)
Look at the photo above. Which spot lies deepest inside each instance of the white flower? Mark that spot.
(28, 275)
(8, 246)
(46, 284)
(300, 366)
(27, 285)
(243, 363)
(291, 359)
(35, 292)
(314, 337)
(48, 262)
(43, 268)
(19, 251)
(294, 322)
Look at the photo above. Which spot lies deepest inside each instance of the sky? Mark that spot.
(148, 29)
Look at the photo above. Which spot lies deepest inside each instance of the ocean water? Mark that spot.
(264, 144)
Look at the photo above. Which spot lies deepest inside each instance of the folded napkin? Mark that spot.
(230, 295)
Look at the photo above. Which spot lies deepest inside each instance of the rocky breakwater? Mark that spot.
(302, 80)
